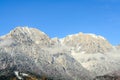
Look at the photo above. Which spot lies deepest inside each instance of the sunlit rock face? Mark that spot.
(30, 35)
(88, 43)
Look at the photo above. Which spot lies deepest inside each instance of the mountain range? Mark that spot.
(30, 54)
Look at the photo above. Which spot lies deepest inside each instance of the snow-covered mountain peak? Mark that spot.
(96, 36)
(80, 34)
(89, 43)
(27, 35)
(26, 30)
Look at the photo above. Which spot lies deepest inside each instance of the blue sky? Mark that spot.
(62, 17)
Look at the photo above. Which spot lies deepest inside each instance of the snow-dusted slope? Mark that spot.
(98, 63)
(75, 57)
(30, 50)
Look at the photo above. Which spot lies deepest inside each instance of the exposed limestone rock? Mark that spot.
(29, 35)
(89, 43)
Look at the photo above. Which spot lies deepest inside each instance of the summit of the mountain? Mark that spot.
(28, 35)
(88, 43)
(26, 30)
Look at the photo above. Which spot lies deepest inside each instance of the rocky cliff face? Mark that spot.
(88, 43)
(28, 50)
